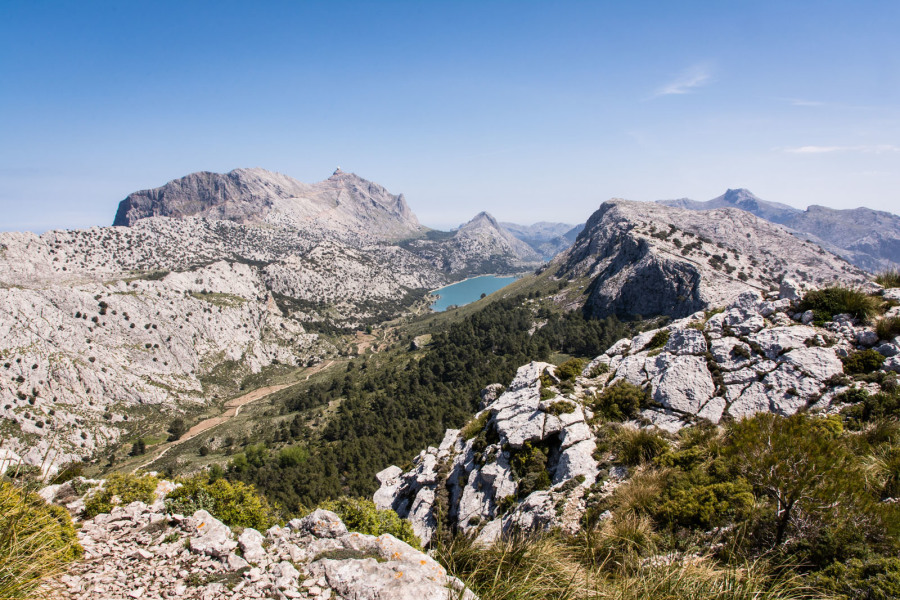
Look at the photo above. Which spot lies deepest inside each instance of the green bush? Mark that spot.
(831, 301)
(598, 370)
(121, 489)
(659, 339)
(362, 516)
(561, 407)
(36, 540)
(636, 446)
(872, 579)
(864, 361)
(570, 369)
(620, 401)
(888, 328)
(235, 503)
(865, 407)
(889, 278)
(475, 426)
(529, 465)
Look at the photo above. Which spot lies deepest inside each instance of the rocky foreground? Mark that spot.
(141, 551)
(757, 355)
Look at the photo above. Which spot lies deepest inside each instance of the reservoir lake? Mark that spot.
(468, 291)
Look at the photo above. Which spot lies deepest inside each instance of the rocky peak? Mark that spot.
(649, 259)
(345, 203)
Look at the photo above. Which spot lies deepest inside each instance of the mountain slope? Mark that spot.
(481, 245)
(649, 259)
(343, 203)
(868, 238)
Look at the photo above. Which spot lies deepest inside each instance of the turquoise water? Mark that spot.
(468, 291)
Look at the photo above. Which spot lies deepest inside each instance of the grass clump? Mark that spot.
(634, 446)
(36, 541)
(889, 278)
(120, 489)
(235, 503)
(476, 425)
(888, 328)
(561, 407)
(862, 362)
(836, 300)
(362, 516)
(620, 401)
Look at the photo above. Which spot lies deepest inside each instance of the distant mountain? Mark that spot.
(868, 238)
(642, 258)
(548, 239)
(482, 245)
(343, 203)
(201, 283)
(540, 232)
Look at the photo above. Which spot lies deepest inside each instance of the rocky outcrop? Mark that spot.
(647, 259)
(142, 551)
(530, 458)
(868, 238)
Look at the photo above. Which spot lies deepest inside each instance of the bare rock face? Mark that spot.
(344, 202)
(648, 259)
(750, 357)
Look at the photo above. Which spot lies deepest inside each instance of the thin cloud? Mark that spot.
(872, 149)
(688, 81)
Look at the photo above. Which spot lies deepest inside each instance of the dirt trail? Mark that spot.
(232, 409)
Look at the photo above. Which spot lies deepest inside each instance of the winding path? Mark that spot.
(232, 409)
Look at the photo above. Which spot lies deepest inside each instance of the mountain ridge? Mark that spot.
(868, 238)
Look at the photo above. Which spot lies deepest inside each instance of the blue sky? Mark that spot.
(529, 110)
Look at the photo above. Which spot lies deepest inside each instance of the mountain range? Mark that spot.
(868, 238)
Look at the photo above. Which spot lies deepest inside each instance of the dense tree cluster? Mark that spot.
(388, 413)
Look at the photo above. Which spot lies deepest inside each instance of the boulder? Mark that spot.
(323, 524)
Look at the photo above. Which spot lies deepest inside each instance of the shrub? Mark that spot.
(864, 361)
(620, 401)
(635, 446)
(659, 339)
(864, 407)
(872, 579)
(561, 407)
(598, 370)
(235, 503)
(889, 278)
(570, 369)
(121, 489)
(529, 464)
(362, 516)
(888, 328)
(476, 425)
(831, 301)
(36, 540)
